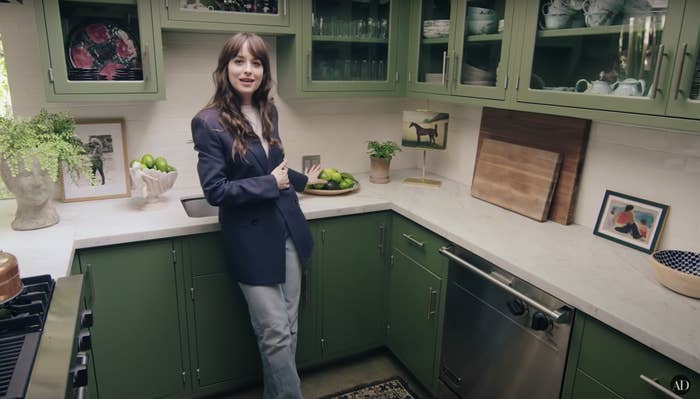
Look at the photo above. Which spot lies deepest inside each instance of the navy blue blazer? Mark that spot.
(254, 214)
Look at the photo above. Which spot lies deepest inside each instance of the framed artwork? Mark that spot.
(630, 221)
(425, 129)
(105, 144)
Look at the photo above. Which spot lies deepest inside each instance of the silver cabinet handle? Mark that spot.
(679, 69)
(559, 316)
(444, 66)
(431, 311)
(412, 240)
(381, 240)
(455, 70)
(145, 59)
(652, 382)
(285, 8)
(657, 71)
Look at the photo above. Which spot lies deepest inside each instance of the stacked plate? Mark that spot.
(435, 28)
(472, 75)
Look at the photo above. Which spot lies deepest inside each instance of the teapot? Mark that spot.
(630, 87)
(597, 86)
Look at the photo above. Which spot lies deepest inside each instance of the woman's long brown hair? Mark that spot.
(228, 101)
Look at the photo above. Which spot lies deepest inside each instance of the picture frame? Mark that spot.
(631, 221)
(105, 143)
(425, 129)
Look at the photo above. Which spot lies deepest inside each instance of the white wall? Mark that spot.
(659, 165)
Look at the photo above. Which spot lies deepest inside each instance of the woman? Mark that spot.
(243, 171)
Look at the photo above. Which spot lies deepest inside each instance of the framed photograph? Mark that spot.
(630, 221)
(425, 129)
(105, 144)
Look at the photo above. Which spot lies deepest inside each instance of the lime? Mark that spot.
(148, 161)
(161, 164)
(329, 171)
(134, 164)
(318, 186)
(324, 175)
(347, 175)
(345, 184)
(171, 168)
(336, 177)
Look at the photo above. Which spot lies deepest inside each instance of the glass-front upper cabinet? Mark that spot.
(239, 12)
(600, 54)
(685, 90)
(352, 46)
(460, 47)
(100, 49)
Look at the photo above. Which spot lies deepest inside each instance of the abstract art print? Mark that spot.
(425, 129)
(105, 146)
(634, 222)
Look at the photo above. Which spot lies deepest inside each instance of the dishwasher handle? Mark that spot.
(560, 316)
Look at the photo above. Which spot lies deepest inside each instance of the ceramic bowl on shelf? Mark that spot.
(678, 271)
(482, 26)
(433, 78)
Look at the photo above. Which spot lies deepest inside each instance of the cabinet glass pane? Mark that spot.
(435, 31)
(482, 42)
(101, 40)
(695, 88)
(266, 7)
(349, 40)
(602, 47)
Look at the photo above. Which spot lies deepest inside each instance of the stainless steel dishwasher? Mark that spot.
(503, 338)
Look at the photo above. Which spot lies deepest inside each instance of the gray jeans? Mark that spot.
(274, 311)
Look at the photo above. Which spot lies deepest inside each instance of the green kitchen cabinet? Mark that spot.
(417, 281)
(353, 279)
(608, 364)
(624, 64)
(458, 49)
(101, 50)
(264, 17)
(308, 347)
(343, 48)
(684, 98)
(139, 333)
(223, 349)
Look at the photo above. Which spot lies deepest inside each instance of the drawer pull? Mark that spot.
(413, 240)
(652, 382)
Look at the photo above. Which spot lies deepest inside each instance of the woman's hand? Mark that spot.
(281, 176)
(312, 174)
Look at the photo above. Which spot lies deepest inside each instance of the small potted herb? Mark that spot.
(31, 152)
(380, 155)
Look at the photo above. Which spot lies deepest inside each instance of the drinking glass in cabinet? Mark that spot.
(611, 45)
(247, 6)
(102, 41)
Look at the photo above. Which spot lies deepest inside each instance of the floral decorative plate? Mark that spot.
(103, 51)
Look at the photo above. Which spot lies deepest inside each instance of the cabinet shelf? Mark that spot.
(439, 40)
(343, 39)
(493, 37)
(593, 31)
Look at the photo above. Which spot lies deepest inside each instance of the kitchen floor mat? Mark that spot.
(392, 388)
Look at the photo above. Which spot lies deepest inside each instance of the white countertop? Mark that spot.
(613, 283)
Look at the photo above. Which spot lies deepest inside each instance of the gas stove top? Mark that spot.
(21, 323)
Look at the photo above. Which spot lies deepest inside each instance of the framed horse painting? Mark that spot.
(425, 129)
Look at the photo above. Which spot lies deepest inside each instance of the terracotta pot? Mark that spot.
(379, 170)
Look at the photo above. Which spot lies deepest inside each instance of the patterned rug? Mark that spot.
(392, 388)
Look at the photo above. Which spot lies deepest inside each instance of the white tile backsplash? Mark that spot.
(655, 164)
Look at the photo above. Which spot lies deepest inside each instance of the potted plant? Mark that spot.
(380, 155)
(31, 152)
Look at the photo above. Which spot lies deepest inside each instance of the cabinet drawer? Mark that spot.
(586, 388)
(419, 244)
(617, 361)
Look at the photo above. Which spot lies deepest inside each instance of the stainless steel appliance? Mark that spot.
(503, 338)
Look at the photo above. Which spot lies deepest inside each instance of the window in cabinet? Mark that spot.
(608, 54)
(433, 51)
(242, 12)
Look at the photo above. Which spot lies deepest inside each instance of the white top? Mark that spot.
(251, 113)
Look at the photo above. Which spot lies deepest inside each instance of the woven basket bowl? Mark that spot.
(678, 270)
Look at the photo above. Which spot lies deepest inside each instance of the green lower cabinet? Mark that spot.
(138, 334)
(610, 364)
(308, 347)
(353, 279)
(414, 317)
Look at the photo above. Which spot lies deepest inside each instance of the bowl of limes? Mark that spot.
(151, 176)
(336, 183)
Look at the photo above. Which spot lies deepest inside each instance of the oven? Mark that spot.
(45, 340)
(502, 338)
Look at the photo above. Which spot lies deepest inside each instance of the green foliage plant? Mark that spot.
(48, 138)
(382, 150)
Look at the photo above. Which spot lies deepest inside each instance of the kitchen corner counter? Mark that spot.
(613, 283)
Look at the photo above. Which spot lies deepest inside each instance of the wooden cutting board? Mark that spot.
(565, 135)
(516, 177)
